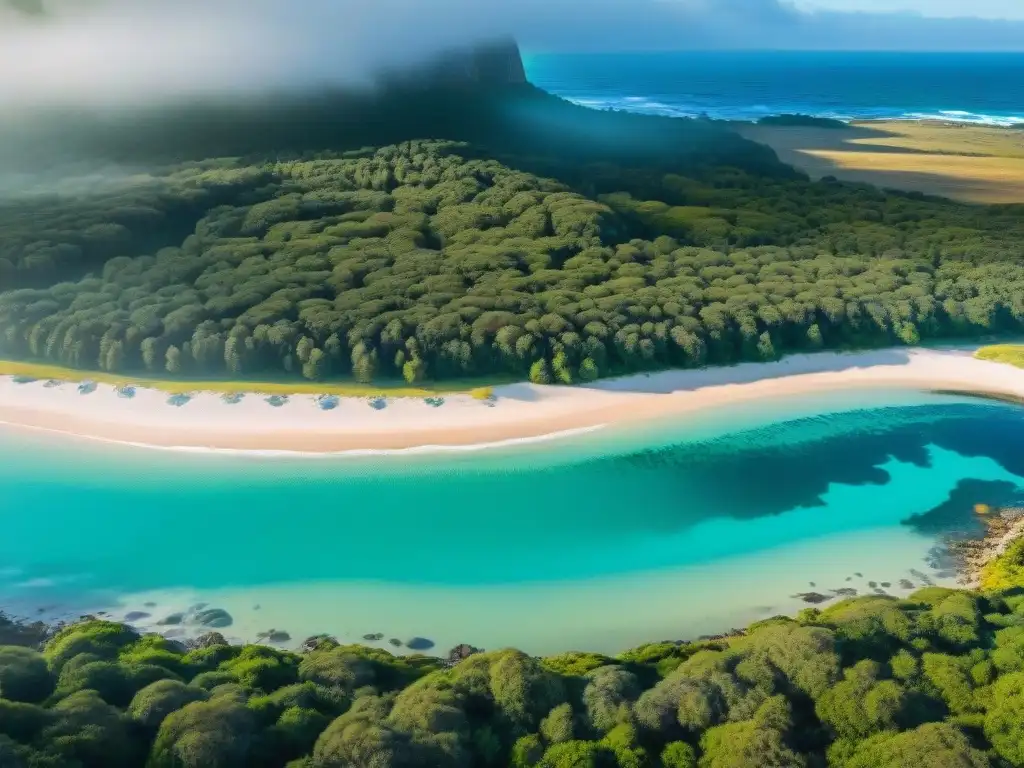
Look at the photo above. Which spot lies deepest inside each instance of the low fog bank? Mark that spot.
(98, 81)
(117, 53)
(114, 54)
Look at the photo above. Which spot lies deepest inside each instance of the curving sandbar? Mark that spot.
(519, 412)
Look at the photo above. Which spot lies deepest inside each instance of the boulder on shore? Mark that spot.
(316, 642)
(814, 598)
(462, 652)
(207, 640)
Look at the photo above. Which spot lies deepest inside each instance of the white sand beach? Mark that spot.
(519, 412)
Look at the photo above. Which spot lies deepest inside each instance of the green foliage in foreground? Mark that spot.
(935, 681)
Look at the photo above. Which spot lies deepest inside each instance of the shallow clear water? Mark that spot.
(601, 541)
(986, 88)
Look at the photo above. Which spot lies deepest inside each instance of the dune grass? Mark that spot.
(342, 388)
(1011, 354)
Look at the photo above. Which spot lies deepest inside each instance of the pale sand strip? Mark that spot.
(522, 411)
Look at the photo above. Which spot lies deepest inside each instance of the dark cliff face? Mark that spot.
(495, 63)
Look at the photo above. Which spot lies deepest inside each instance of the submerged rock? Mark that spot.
(886, 584)
(859, 575)
(136, 616)
(419, 644)
(923, 577)
(873, 584)
(374, 637)
(215, 618)
(395, 642)
(171, 620)
(906, 584)
(814, 598)
(845, 592)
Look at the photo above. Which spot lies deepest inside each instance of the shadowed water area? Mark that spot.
(598, 541)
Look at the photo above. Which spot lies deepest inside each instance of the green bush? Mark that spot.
(24, 675)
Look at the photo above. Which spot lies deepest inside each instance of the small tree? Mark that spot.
(173, 360)
(539, 372)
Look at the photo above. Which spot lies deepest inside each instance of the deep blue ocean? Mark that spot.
(985, 88)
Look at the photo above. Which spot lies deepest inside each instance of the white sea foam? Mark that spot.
(646, 105)
(284, 454)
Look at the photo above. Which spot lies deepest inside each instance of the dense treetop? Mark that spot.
(426, 259)
(561, 243)
(935, 680)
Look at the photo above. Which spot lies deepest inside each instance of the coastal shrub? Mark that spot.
(210, 680)
(260, 668)
(350, 667)
(575, 754)
(115, 683)
(758, 743)
(157, 700)
(527, 751)
(1007, 571)
(558, 726)
(575, 663)
(88, 730)
(269, 707)
(24, 675)
(608, 697)
(155, 650)
(104, 639)
(483, 394)
(932, 744)
(218, 732)
(678, 754)
(1004, 721)
(522, 689)
(292, 736)
(23, 722)
(863, 703)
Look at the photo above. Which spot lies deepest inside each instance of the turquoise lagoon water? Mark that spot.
(599, 541)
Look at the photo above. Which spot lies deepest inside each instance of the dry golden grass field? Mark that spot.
(977, 164)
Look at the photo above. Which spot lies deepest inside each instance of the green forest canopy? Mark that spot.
(935, 680)
(552, 247)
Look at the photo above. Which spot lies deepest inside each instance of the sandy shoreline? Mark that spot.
(521, 411)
